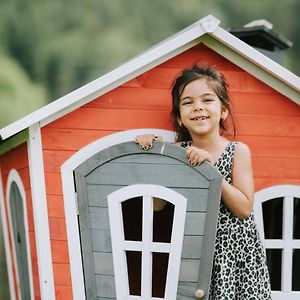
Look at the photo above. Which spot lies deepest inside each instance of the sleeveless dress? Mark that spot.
(239, 269)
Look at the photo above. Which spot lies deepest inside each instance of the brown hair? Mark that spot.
(216, 82)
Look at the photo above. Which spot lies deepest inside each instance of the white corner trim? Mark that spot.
(40, 213)
(6, 242)
(67, 176)
(209, 23)
(13, 176)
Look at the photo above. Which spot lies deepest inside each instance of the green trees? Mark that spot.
(61, 45)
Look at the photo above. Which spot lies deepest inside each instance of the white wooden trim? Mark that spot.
(277, 295)
(163, 51)
(40, 213)
(287, 243)
(13, 176)
(67, 176)
(6, 242)
(147, 191)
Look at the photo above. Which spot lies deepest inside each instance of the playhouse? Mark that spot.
(68, 169)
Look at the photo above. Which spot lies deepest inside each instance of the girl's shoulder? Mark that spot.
(241, 151)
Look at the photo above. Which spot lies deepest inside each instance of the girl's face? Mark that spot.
(200, 109)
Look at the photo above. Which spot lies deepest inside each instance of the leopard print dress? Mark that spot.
(239, 269)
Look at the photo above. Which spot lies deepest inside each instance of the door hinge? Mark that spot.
(76, 203)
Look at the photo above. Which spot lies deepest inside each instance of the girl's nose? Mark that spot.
(198, 105)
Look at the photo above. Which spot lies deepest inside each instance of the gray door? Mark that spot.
(165, 166)
(17, 216)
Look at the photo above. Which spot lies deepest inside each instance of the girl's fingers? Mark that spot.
(146, 141)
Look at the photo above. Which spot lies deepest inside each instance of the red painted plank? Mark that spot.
(135, 98)
(59, 251)
(264, 103)
(270, 146)
(55, 205)
(53, 159)
(62, 275)
(273, 168)
(113, 119)
(63, 293)
(268, 125)
(242, 81)
(57, 228)
(70, 139)
(262, 183)
(53, 184)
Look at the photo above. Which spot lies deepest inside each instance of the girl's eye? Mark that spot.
(208, 100)
(186, 102)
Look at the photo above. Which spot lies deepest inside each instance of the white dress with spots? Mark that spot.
(239, 270)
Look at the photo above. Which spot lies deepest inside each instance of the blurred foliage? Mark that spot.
(18, 94)
(61, 45)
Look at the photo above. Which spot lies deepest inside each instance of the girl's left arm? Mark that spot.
(239, 196)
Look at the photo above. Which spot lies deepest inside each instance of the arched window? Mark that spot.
(147, 224)
(277, 214)
(19, 232)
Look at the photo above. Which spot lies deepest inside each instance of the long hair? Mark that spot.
(216, 82)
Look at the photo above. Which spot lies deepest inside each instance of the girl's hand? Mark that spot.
(196, 156)
(145, 141)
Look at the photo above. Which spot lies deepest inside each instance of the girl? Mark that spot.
(201, 107)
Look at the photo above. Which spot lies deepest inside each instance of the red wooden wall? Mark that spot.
(268, 123)
(18, 159)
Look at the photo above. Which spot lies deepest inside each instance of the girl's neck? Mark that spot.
(209, 143)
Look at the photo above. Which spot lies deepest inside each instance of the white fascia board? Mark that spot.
(257, 58)
(40, 213)
(165, 50)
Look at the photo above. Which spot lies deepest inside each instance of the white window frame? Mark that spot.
(146, 246)
(287, 243)
(14, 177)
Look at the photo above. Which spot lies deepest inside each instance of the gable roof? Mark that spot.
(207, 31)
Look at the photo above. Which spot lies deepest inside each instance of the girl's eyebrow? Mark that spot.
(204, 95)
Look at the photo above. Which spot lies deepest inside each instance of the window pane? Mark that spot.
(296, 218)
(296, 270)
(272, 215)
(162, 221)
(132, 218)
(134, 267)
(274, 266)
(159, 274)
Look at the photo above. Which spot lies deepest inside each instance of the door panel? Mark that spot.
(165, 166)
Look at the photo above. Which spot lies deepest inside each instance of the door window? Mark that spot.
(147, 226)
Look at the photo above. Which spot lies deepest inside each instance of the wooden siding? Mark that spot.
(268, 122)
(18, 159)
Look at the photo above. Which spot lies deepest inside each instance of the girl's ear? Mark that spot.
(179, 122)
(224, 113)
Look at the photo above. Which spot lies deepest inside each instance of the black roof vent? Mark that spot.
(259, 34)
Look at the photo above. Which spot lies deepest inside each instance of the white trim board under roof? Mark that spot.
(206, 31)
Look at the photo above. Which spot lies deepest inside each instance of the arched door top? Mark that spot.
(130, 148)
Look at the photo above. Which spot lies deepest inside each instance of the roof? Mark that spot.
(207, 31)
